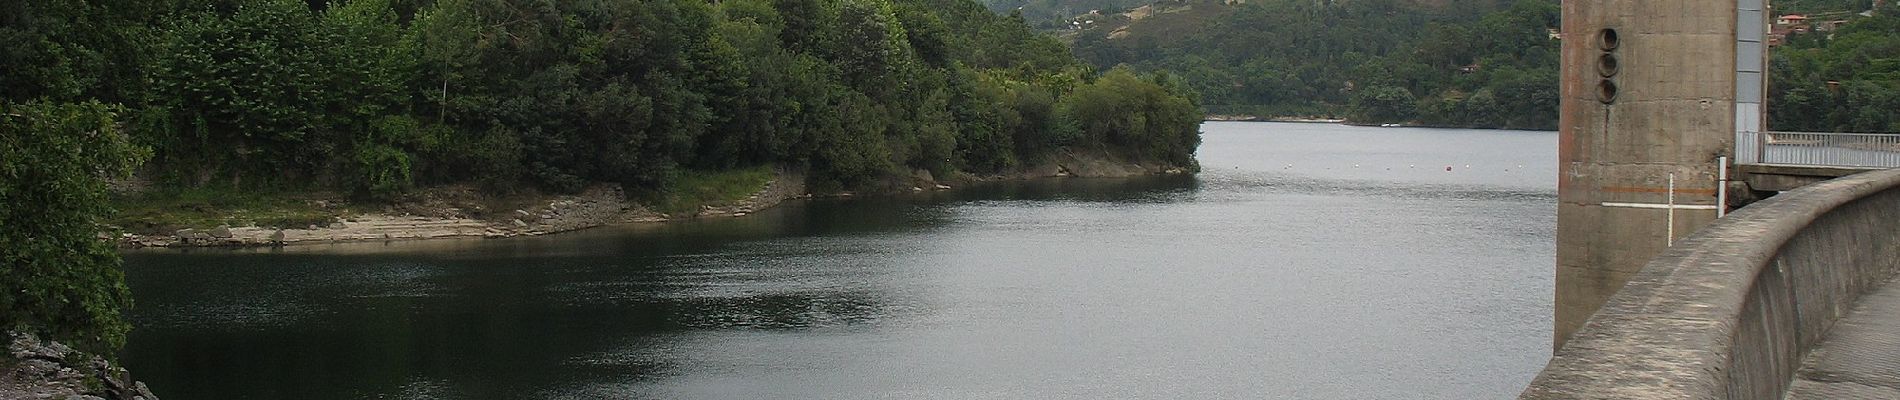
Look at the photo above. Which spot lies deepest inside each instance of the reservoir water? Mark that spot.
(1306, 261)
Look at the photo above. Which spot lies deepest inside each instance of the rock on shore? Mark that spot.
(35, 369)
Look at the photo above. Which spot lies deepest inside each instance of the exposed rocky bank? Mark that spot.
(453, 213)
(35, 369)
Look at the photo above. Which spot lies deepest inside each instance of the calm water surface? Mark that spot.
(1307, 261)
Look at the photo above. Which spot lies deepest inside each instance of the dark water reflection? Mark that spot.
(1299, 265)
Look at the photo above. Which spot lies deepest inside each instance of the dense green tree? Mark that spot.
(372, 68)
(247, 95)
(58, 278)
(72, 50)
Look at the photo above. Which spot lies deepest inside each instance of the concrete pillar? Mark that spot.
(1672, 110)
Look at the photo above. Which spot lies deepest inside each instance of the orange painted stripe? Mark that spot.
(1623, 189)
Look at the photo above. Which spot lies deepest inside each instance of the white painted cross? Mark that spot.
(1670, 205)
(1654, 205)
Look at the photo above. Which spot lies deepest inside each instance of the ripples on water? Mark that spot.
(1306, 261)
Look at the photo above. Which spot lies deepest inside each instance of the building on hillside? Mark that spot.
(1792, 20)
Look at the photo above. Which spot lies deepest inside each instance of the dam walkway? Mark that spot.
(1860, 357)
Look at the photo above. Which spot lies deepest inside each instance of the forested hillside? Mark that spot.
(1479, 64)
(377, 96)
(1845, 80)
(1785, 7)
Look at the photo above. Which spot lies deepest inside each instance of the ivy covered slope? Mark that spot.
(1484, 63)
(375, 97)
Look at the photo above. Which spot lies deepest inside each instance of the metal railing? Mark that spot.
(1881, 150)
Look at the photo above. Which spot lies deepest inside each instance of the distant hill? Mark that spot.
(1484, 64)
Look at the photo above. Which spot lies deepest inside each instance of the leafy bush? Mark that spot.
(385, 171)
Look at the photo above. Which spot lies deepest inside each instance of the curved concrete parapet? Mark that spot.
(1729, 312)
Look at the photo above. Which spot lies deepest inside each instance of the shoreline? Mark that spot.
(1255, 118)
(599, 205)
(1302, 120)
(605, 205)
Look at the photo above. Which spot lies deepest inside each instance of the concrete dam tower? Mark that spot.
(1654, 94)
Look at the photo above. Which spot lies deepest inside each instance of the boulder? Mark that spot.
(221, 232)
(142, 392)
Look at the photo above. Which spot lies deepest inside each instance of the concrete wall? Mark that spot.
(1674, 113)
(1782, 177)
(1729, 312)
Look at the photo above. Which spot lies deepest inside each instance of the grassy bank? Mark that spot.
(164, 210)
(694, 189)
